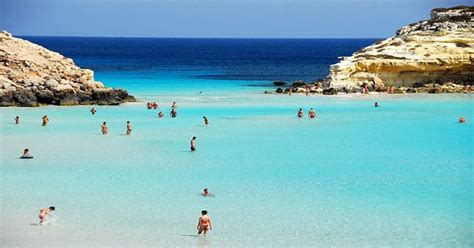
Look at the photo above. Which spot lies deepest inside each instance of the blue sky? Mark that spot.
(215, 18)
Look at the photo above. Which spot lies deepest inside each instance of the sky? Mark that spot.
(215, 18)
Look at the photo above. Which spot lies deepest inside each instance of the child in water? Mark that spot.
(204, 223)
(44, 212)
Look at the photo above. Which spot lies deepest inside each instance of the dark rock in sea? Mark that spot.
(418, 85)
(330, 91)
(279, 90)
(298, 83)
(279, 83)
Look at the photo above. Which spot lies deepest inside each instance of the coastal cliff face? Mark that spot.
(438, 50)
(31, 75)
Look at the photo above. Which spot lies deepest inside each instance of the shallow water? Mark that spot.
(397, 175)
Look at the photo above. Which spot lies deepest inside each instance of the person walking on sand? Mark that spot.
(44, 212)
(17, 120)
(312, 113)
(45, 120)
(206, 121)
(300, 113)
(104, 128)
(129, 127)
(204, 223)
(193, 144)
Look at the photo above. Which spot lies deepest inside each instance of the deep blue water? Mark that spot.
(220, 59)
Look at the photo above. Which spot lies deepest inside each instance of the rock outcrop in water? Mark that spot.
(439, 50)
(31, 75)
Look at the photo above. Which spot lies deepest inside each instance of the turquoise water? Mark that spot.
(397, 175)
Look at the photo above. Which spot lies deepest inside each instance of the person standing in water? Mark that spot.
(45, 120)
(104, 128)
(44, 212)
(93, 110)
(160, 114)
(376, 104)
(312, 113)
(129, 127)
(462, 119)
(206, 121)
(17, 120)
(193, 144)
(174, 106)
(204, 223)
(300, 113)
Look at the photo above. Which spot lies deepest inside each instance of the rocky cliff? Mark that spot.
(439, 50)
(31, 75)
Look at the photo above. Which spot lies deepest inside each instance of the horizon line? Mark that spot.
(181, 37)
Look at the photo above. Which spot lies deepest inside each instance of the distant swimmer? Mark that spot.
(312, 113)
(93, 110)
(376, 104)
(26, 153)
(204, 223)
(300, 113)
(206, 121)
(205, 192)
(129, 127)
(104, 128)
(17, 120)
(161, 115)
(174, 106)
(462, 119)
(44, 212)
(173, 113)
(193, 144)
(45, 120)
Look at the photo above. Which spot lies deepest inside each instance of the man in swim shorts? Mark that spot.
(44, 212)
(204, 223)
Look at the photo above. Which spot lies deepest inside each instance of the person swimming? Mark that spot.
(161, 115)
(173, 113)
(26, 153)
(462, 119)
(205, 192)
(93, 110)
(104, 128)
(204, 223)
(376, 104)
(17, 120)
(206, 121)
(300, 113)
(44, 212)
(45, 120)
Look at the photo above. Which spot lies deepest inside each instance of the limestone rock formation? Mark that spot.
(31, 75)
(439, 50)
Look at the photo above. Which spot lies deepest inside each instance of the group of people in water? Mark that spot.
(311, 113)
(204, 222)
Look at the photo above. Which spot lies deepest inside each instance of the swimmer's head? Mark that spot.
(204, 212)
(205, 190)
(104, 123)
(194, 137)
(128, 121)
(52, 208)
(26, 150)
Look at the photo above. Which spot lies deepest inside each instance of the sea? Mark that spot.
(399, 175)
